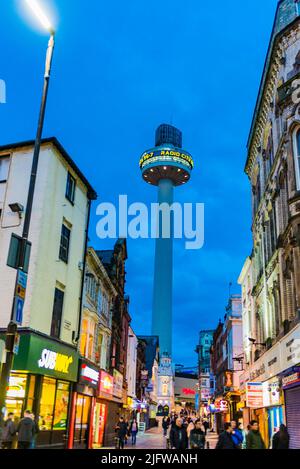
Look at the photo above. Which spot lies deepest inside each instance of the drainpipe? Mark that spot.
(83, 272)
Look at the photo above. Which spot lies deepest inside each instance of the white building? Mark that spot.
(131, 364)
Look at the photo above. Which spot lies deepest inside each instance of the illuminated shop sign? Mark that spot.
(188, 391)
(106, 383)
(89, 375)
(40, 355)
(17, 387)
(55, 361)
(166, 156)
(254, 395)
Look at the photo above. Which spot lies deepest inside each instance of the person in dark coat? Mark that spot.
(165, 425)
(133, 431)
(281, 439)
(225, 439)
(9, 432)
(121, 429)
(26, 431)
(178, 436)
(254, 439)
(197, 436)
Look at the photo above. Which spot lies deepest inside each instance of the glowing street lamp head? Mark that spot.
(41, 16)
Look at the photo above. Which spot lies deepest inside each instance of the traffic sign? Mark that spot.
(18, 310)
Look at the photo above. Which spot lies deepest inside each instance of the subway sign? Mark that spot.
(167, 156)
(39, 355)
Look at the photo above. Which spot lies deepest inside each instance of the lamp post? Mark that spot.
(11, 333)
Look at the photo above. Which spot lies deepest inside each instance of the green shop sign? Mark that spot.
(42, 356)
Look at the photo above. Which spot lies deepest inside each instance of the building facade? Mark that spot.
(206, 377)
(271, 275)
(226, 361)
(48, 308)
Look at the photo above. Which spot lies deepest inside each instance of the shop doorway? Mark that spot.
(82, 422)
(99, 425)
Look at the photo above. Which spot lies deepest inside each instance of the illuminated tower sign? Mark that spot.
(166, 165)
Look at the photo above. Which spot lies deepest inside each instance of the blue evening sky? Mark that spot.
(122, 68)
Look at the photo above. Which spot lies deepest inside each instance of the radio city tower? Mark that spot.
(166, 166)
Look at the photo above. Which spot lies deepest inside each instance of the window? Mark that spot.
(57, 313)
(4, 167)
(297, 158)
(70, 189)
(64, 243)
(47, 404)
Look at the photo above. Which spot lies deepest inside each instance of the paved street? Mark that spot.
(154, 439)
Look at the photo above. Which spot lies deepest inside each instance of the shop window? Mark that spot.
(15, 395)
(47, 404)
(61, 406)
(31, 392)
(82, 421)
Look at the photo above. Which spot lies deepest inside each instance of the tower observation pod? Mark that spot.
(166, 165)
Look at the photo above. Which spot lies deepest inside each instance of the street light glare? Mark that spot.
(37, 10)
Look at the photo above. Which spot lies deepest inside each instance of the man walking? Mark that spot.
(26, 431)
(9, 432)
(178, 436)
(254, 439)
(121, 430)
(225, 438)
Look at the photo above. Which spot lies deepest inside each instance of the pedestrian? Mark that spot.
(178, 436)
(121, 430)
(26, 431)
(133, 430)
(206, 426)
(165, 425)
(190, 427)
(197, 436)
(254, 439)
(243, 433)
(36, 431)
(9, 431)
(281, 439)
(225, 439)
(236, 435)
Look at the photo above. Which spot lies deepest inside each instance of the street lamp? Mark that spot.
(17, 312)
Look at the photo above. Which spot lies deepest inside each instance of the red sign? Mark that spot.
(106, 383)
(188, 391)
(291, 379)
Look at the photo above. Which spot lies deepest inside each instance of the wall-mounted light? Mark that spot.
(17, 208)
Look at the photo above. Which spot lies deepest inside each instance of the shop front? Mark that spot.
(41, 380)
(291, 387)
(83, 425)
(108, 409)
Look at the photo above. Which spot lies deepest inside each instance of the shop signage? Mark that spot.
(254, 395)
(51, 360)
(106, 383)
(228, 379)
(118, 384)
(165, 156)
(40, 355)
(17, 387)
(291, 379)
(222, 406)
(271, 393)
(188, 391)
(89, 375)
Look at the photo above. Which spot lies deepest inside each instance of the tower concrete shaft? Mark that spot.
(163, 274)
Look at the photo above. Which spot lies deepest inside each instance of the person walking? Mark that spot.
(36, 431)
(197, 436)
(121, 429)
(133, 430)
(190, 427)
(225, 439)
(243, 434)
(26, 431)
(254, 439)
(178, 436)
(9, 432)
(236, 435)
(206, 426)
(165, 425)
(281, 439)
